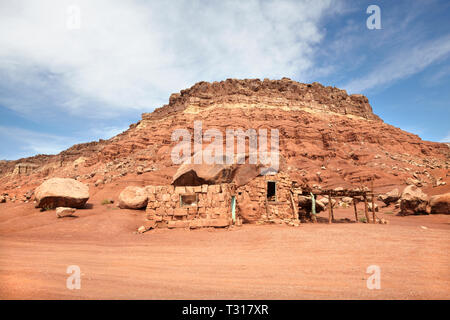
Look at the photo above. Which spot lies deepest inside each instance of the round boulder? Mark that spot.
(324, 201)
(347, 200)
(440, 203)
(61, 192)
(62, 212)
(133, 198)
(390, 197)
(305, 203)
(370, 207)
(249, 210)
(413, 201)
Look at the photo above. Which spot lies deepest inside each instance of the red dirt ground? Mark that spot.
(313, 261)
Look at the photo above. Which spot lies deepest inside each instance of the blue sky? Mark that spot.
(61, 85)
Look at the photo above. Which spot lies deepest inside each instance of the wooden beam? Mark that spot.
(356, 211)
(330, 209)
(366, 209)
(332, 212)
(373, 210)
(294, 207)
(374, 220)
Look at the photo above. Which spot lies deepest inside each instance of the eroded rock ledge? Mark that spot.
(285, 93)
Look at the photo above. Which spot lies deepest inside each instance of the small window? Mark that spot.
(188, 200)
(271, 191)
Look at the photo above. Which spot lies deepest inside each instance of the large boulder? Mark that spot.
(61, 192)
(133, 198)
(239, 171)
(413, 201)
(369, 207)
(440, 203)
(348, 200)
(390, 197)
(249, 211)
(324, 201)
(305, 204)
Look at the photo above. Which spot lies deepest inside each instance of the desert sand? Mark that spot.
(313, 261)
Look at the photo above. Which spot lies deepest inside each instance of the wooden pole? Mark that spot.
(356, 212)
(330, 209)
(373, 205)
(294, 207)
(373, 210)
(366, 209)
(332, 212)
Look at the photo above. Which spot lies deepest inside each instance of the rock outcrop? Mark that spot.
(240, 171)
(62, 212)
(267, 94)
(24, 168)
(413, 201)
(61, 192)
(327, 138)
(305, 204)
(440, 204)
(369, 206)
(390, 197)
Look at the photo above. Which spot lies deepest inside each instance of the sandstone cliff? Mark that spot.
(328, 138)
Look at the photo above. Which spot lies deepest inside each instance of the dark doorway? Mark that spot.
(271, 191)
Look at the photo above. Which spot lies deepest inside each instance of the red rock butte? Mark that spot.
(327, 138)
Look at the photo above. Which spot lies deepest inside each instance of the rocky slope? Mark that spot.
(328, 138)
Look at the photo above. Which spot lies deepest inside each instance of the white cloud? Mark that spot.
(438, 76)
(402, 64)
(132, 54)
(27, 143)
(105, 132)
(447, 138)
(31, 142)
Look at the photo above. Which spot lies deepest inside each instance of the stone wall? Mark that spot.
(251, 200)
(213, 207)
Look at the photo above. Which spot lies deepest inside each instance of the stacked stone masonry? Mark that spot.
(254, 206)
(212, 208)
(212, 205)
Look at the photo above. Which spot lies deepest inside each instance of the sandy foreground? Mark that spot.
(313, 261)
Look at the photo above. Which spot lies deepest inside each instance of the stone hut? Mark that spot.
(190, 206)
(267, 198)
(221, 195)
